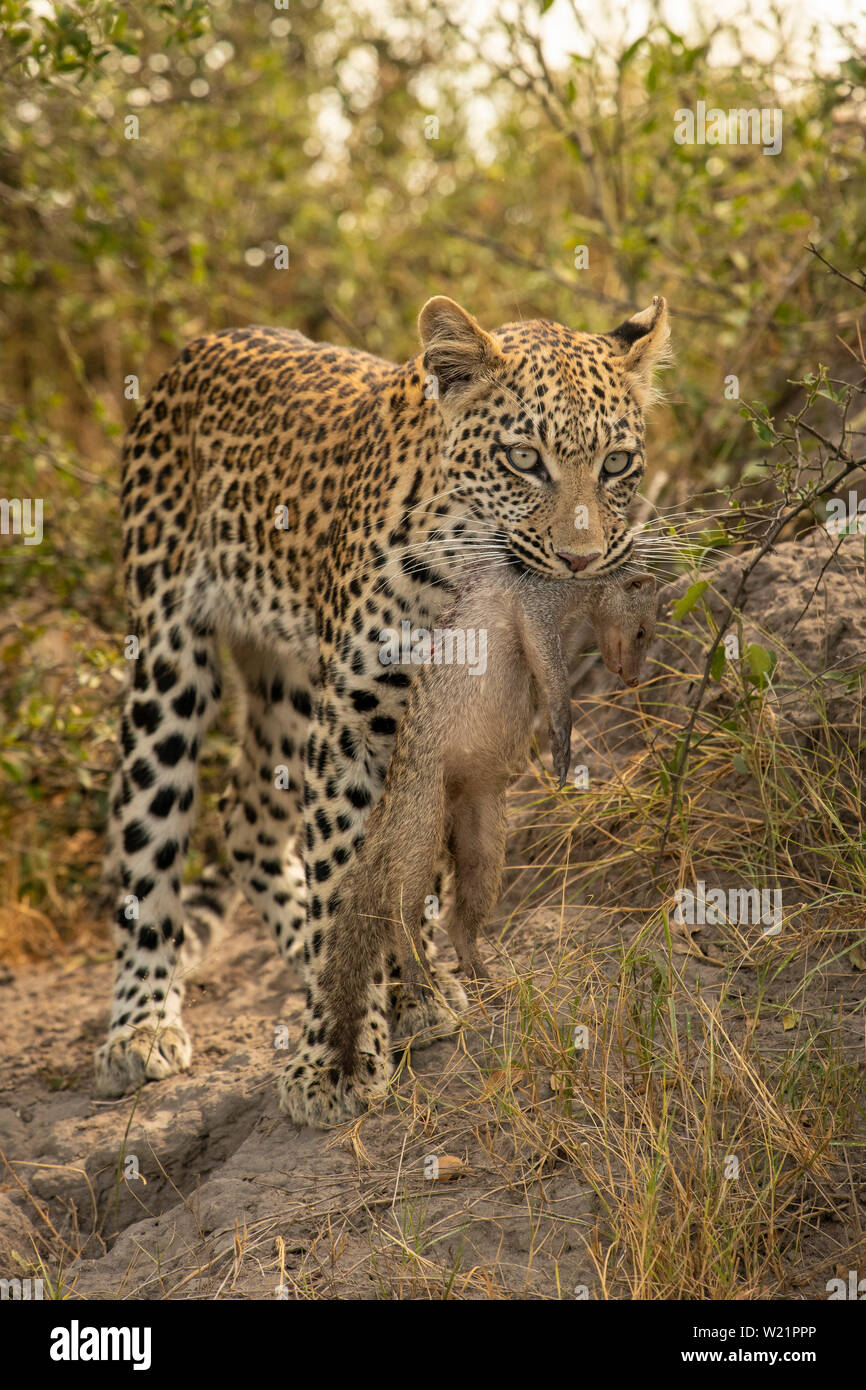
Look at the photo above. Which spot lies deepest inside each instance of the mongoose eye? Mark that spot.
(616, 464)
(524, 459)
(641, 634)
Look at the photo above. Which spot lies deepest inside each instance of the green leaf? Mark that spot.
(689, 599)
(717, 665)
(761, 663)
(631, 51)
(716, 536)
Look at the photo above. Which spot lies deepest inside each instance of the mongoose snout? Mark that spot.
(624, 618)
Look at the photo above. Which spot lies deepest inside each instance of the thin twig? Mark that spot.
(810, 246)
(843, 535)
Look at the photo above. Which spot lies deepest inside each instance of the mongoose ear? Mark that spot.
(642, 341)
(640, 581)
(457, 351)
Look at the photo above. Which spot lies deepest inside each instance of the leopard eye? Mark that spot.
(524, 459)
(616, 464)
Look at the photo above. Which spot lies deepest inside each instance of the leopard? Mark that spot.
(284, 502)
(465, 733)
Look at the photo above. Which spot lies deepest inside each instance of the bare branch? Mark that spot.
(842, 276)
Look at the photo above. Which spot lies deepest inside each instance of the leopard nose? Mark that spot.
(578, 562)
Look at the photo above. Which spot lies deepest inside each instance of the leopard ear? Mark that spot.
(457, 351)
(641, 342)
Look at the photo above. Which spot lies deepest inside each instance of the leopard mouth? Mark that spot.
(560, 571)
(621, 553)
(527, 563)
(523, 565)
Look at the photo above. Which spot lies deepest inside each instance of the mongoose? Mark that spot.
(465, 732)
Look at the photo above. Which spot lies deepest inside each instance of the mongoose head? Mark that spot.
(625, 624)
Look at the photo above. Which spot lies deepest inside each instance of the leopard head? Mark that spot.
(542, 432)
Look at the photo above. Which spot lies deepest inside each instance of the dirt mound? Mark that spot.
(803, 605)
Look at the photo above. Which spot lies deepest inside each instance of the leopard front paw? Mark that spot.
(136, 1054)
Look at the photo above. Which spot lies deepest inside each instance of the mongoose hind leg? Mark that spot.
(477, 843)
